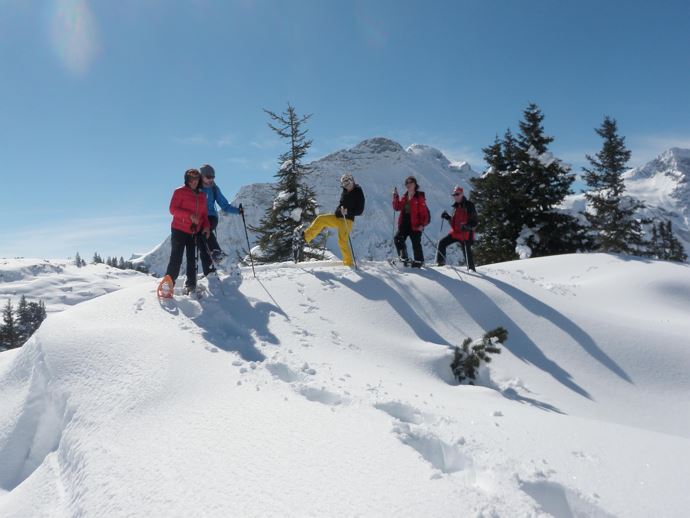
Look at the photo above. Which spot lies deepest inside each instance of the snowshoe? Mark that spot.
(165, 288)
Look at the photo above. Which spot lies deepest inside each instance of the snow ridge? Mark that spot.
(313, 381)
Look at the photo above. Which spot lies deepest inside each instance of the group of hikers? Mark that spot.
(193, 207)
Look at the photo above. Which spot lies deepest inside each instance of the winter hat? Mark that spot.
(207, 171)
(458, 190)
(190, 172)
(346, 178)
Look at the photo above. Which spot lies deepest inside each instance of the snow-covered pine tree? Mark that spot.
(499, 212)
(470, 355)
(295, 200)
(78, 260)
(542, 183)
(9, 335)
(38, 314)
(611, 214)
(24, 329)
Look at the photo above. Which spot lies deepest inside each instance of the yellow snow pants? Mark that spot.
(344, 227)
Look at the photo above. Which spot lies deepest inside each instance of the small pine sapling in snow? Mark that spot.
(470, 355)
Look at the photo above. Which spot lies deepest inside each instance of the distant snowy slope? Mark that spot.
(663, 184)
(378, 164)
(60, 283)
(321, 391)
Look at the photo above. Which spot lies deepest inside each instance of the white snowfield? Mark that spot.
(60, 283)
(315, 390)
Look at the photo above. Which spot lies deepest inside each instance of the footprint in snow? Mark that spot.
(139, 305)
(558, 500)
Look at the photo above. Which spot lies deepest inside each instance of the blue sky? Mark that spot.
(105, 104)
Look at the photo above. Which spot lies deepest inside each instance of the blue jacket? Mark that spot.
(213, 196)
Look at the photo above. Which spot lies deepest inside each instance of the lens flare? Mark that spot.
(74, 34)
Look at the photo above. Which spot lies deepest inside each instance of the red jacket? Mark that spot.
(419, 213)
(464, 214)
(183, 204)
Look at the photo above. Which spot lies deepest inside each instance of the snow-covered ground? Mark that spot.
(315, 390)
(60, 283)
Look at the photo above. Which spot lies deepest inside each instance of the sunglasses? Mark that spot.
(457, 194)
(209, 177)
(193, 176)
(408, 183)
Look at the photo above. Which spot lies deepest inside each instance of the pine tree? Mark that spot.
(96, 258)
(8, 330)
(77, 260)
(37, 311)
(665, 245)
(494, 197)
(470, 355)
(610, 214)
(541, 184)
(295, 201)
(23, 313)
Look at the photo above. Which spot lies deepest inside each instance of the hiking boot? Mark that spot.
(417, 264)
(189, 290)
(218, 255)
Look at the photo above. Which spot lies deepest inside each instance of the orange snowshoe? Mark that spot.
(165, 288)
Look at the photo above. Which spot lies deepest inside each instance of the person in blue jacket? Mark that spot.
(213, 196)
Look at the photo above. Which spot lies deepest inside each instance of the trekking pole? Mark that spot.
(442, 254)
(352, 250)
(467, 261)
(249, 249)
(196, 260)
(438, 243)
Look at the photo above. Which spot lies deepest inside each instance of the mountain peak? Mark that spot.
(674, 163)
(378, 145)
(428, 152)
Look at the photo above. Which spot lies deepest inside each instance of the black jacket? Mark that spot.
(353, 201)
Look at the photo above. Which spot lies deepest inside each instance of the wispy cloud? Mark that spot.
(647, 147)
(206, 141)
(74, 34)
(269, 143)
(64, 238)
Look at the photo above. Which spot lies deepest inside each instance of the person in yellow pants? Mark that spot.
(351, 204)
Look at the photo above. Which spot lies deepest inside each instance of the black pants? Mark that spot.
(415, 237)
(182, 242)
(466, 250)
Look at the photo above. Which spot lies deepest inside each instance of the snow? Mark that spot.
(60, 283)
(319, 390)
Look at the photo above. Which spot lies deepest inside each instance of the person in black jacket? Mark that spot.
(351, 204)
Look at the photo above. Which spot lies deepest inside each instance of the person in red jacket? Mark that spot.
(462, 224)
(414, 216)
(190, 216)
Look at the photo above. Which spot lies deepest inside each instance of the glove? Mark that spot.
(445, 216)
(241, 210)
(395, 191)
(464, 227)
